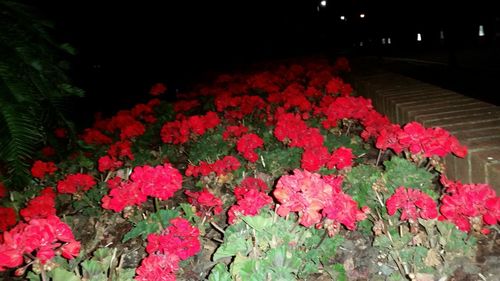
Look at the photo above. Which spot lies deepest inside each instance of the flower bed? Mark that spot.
(266, 175)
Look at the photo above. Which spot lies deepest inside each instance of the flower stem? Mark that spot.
(378, 157)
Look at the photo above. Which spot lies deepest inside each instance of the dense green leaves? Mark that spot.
(34, 87)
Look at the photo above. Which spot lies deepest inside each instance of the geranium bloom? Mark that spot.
(314, 158)
(205, 202)
(76, 183)
(121, 149)
(158, 268)
(247, 144)
(251, 197)
(342, 209)
(40, 169)
(96, 137)
(8, 216)
(413, 204)
(492, 215)
(107, 163)
(39, 238)
(158, 89)
(463, 202)
(42, 206)
(340, 159)
(305, 193)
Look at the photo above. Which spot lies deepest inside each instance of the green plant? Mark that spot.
(33, 86)
(270, 247)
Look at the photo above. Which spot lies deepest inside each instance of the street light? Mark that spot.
(362, 15)
(481, 31)
(419, 37)
(323, 3)
(342, 18)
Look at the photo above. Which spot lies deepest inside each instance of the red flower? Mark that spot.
(247, 144)
(413, 204)
(132, 130)
(96, 137)
(341, 158)
(48, 151)
(40, 169)
(234, 131)
(8, 216)
(42, 206)
(107, 163)
(249, 203)
(121, 149)
(158, 89)
(344, 210)
(205, 202)
(76, 183)
(158, 268)
(71, 249)
(122, 194)
(492, 216)
(160, 182)
(314, 158)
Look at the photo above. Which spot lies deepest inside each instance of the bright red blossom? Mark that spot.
(413, 204)
(40, 207)
(247, 144)
(40, 169)
(8, 216)
(205, 202)
(76, 183)
(251, 197)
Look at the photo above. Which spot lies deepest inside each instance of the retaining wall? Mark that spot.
(475, 123)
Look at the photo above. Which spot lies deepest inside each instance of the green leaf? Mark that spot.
(231, 247)
(337, 272)
(164, 216)
(401, 172)
(92, 269)
(189, 213)
(33, 277)
(126, 274)
(142, 228)
(59, 274)
(259, 223)
(219, 273)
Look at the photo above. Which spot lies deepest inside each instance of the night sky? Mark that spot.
(126, 47)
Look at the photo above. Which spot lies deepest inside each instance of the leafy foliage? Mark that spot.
(33, 86)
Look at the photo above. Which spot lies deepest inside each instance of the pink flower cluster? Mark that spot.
(40, 169)
(76, 183)
(251, 196)
(219, 167)
(177, 242)
(159, 182)
(314, 198)
(464, 202)
(180, 131)
(205, 202)
(413, 204)
(247, 144)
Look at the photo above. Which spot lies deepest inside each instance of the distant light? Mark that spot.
(362, 16)
(383, 41)
(441, 35)
(481, 31)
(389, 40)
(361, 44)
(419, 37)
(342, 17)
(323, 3)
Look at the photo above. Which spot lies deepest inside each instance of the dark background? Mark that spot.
(127, 46)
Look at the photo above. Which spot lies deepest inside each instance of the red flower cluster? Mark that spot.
(219, 167)
(40, 207)
(341, 209)
(40, 169)
(159, 182)
(340, 159)
(8, 216)
(179, 131)
(237, 107)
(314, 197)
(185, 105)
(234, 131)
(205, 202)
(463, 202)
(413, 204)
(247, 144)
(121, 149)
(250, 196)
(336, 86)
(107, 163)
(177, 242)
(158, 89)
(40, 238)
(95, 137)
(76, 183)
